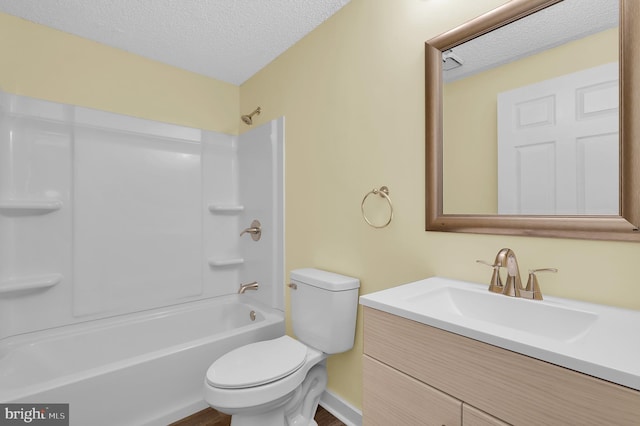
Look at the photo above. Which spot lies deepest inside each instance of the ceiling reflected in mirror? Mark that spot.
(546, 29)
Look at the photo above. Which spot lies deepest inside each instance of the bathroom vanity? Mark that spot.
(418, 372)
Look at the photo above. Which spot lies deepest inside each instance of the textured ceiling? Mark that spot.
(551, 27)
(229, 40)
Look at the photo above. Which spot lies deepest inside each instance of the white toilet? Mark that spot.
(279, 382)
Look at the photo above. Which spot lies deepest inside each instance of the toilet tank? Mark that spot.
(323, 309)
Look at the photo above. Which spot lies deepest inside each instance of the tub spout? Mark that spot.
(249, 286)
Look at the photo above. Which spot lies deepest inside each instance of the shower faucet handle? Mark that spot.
(255, 230)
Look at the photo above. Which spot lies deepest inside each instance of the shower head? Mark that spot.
(248, 119)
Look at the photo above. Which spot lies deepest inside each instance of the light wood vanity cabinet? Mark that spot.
(473, 417)
(415, 374)
(393, 398)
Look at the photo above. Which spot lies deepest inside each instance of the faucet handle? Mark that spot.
(534, 271)
(496, 283)
(255, 230)
(532, 283)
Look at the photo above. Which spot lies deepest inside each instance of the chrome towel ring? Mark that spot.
(384, 193)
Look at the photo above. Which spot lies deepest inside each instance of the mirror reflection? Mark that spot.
(531, 115)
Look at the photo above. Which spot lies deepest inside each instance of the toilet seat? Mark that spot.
(230, 400)
(257, 364)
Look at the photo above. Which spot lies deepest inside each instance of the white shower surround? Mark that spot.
(103, 214)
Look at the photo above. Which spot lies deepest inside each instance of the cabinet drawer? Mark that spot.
(393, 398)
(515, 388)
(474, 417)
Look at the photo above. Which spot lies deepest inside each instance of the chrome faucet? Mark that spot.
(249, 286)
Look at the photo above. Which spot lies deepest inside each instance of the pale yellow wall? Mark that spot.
(470, 117)
(44, 63)
(353, 96)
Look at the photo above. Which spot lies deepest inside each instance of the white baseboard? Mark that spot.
(342, 410)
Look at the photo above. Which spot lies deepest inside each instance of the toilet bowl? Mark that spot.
(261, 378)
(279, 382)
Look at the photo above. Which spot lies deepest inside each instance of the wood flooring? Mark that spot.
(211, 417)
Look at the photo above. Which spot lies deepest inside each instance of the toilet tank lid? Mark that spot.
(324, 279)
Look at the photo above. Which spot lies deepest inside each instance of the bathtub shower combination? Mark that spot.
(121, 258)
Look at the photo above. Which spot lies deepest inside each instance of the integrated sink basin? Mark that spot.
(541, 318)
(599, 340)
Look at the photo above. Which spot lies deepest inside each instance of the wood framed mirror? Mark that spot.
(622, 226)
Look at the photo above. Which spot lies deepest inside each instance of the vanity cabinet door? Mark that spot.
(393, 398)
(474, 417)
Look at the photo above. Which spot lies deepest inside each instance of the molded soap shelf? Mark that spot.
(14, 285)
(29, 207)
(226, 262)
(225, 208)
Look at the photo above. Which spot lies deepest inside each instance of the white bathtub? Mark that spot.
(139, 369)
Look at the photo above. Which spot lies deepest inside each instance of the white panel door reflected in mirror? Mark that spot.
(558, 150)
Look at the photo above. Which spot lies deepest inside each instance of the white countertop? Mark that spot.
(598, 340)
